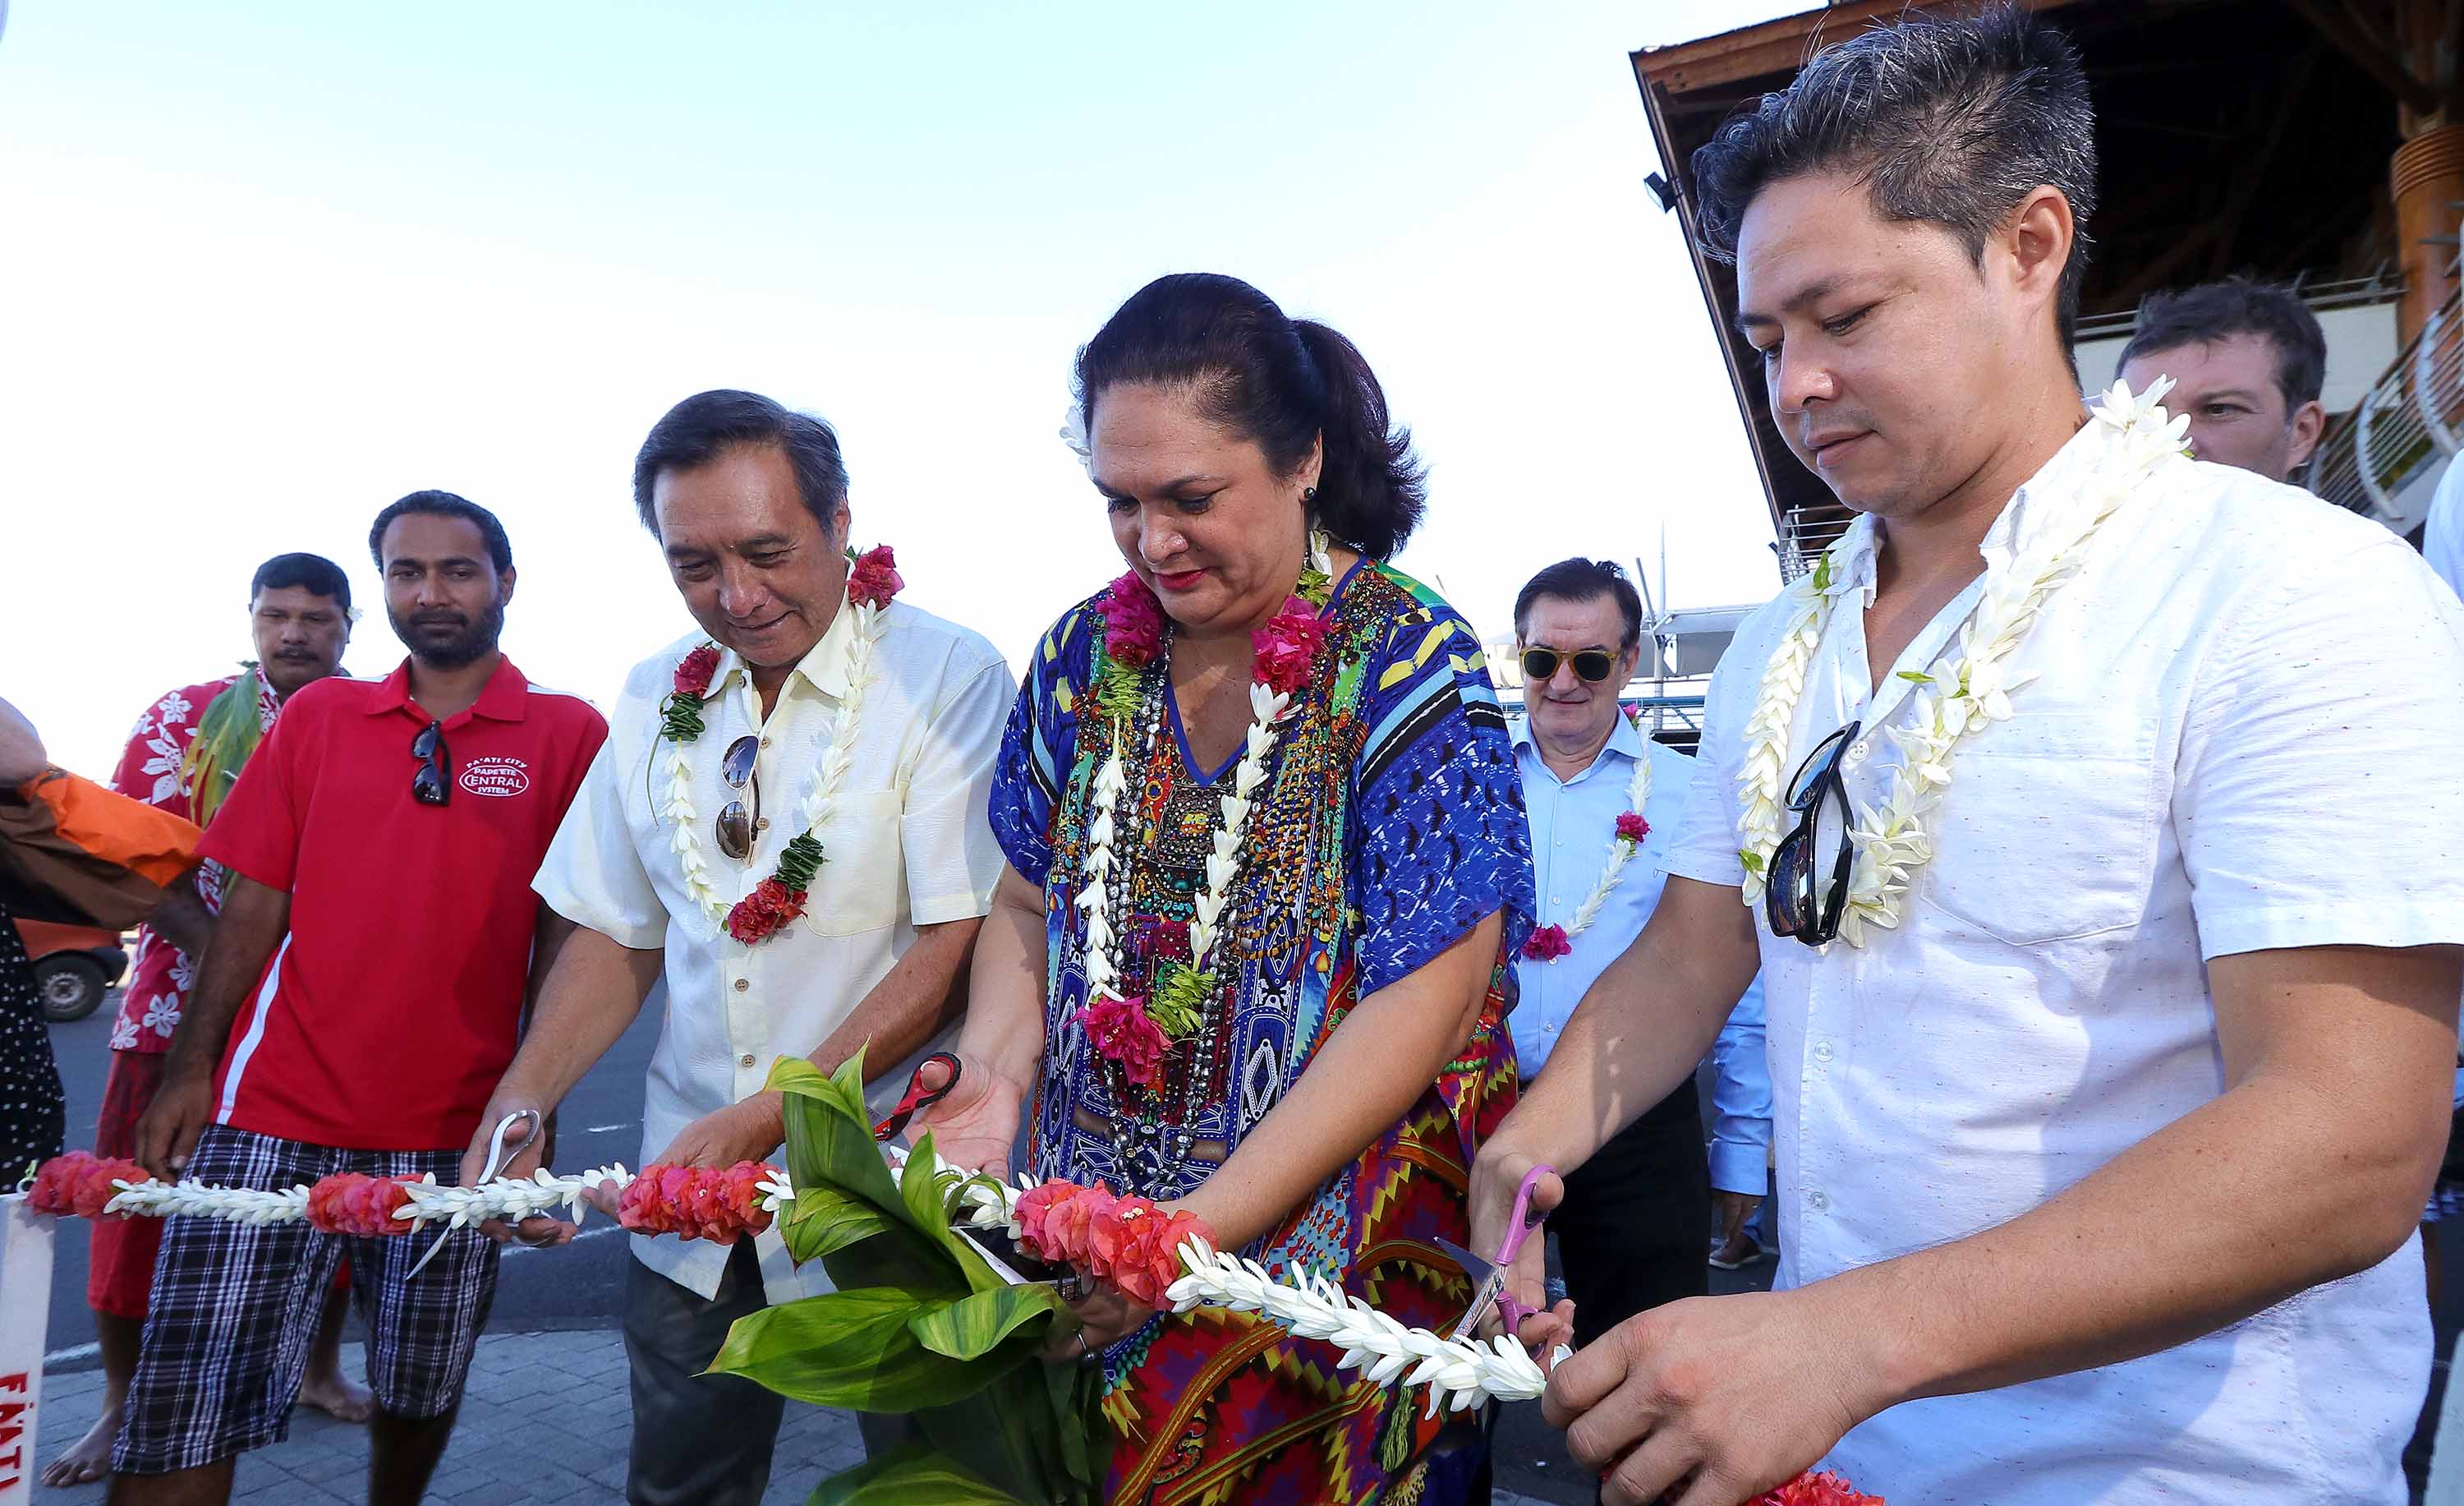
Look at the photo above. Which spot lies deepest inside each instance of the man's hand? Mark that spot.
(166, 1133)
(1730, 1396)
(976, 1125)
(748, 1131)
(1496, 1180)
(538, 1230)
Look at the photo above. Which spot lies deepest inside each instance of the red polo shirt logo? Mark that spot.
(499, 777)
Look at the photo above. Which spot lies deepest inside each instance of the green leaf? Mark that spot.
(975, 1325)
(1753, 861)
(929, 1215)
(1915, 676)
(855, 1349)
(825, 1220)
(910, 1475)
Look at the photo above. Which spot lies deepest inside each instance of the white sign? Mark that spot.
(24, 1317)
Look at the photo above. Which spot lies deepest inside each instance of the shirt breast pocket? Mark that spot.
(2046, 832)
(861, 878)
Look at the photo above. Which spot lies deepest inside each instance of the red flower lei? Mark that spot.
(1128, 1243)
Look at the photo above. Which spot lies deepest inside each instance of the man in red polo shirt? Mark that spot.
(364, 990)
(184, 756)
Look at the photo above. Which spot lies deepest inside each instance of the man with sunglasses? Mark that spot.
(1636, 1217)
(785, 679)
(2098, 807)
(366, 983)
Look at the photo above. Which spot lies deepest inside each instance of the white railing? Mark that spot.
(2384, 459)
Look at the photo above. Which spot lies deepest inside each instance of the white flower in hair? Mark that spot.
(1073, 433)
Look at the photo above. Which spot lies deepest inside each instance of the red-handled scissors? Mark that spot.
(1493, 1276)
(919, 1097)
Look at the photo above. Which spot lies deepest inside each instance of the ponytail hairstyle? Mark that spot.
(1279, 382)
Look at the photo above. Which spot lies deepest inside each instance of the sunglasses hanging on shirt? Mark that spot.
(1797, 900)
(737, 823)
(431, 783)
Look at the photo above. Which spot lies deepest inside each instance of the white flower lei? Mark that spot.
(1266, 708)
(1620, 853)
(1891, 841)
(509, 1198)
(829, 777)
(1460, 1373)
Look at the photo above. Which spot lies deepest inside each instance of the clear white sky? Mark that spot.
(268, 267)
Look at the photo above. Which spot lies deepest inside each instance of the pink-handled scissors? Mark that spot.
(1493, 1276)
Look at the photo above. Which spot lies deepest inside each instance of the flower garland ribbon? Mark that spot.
(1549, 942)
(2133, 440)
(872, 580)
(1134, 1032)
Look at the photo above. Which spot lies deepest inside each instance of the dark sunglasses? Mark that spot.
(1795, 898)
(738, 824)
(1590, 665)
(431, 783)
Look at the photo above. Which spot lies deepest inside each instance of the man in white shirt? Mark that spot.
(669, 833)
(2442, 532)
(2109, 1115)
(1603, 803)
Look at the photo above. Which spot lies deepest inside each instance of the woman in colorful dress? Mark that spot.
(1269, 867)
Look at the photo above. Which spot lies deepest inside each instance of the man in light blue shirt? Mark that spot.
(1636, 1217)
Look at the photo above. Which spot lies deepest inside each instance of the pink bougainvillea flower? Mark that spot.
(354, 1203)
(1067, 1234)
(874, 577)
(718, 1203)
(80, 1183)
(1033, 1211)
(1816, 1489)
(1133, 620)
(1631, 828)
(1547, 944)
(1284, 646)
(1122, 1034)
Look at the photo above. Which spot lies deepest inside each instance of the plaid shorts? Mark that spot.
(236, 1306)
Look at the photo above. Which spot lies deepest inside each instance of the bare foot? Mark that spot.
(89, 1458)
(337, 1397)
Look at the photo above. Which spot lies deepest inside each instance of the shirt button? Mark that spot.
(1857, 752)
(1821, 1050)
(742, 984)
(745, 1060)
(763, 824)
(765, 742)
(1812, 1200)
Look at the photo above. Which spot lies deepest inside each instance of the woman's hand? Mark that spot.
(1104, 1314)
(975, 1126)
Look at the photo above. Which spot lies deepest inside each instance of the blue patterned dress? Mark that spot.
(1392, 824)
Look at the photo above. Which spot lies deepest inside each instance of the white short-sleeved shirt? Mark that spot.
(2244, 738)
(906, 847)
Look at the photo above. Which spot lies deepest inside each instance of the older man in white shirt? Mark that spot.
(2126, 786)
(718, 760)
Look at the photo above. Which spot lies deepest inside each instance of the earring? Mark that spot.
(1309, 494)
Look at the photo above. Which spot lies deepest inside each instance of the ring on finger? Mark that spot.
(1087, 1355)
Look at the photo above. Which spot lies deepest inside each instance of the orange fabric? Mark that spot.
(144, 839)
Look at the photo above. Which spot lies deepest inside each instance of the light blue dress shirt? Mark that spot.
(1574, 825)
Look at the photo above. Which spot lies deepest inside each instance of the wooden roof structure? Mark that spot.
(2248, 136)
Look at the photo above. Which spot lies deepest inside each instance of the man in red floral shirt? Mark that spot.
(184, 756)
